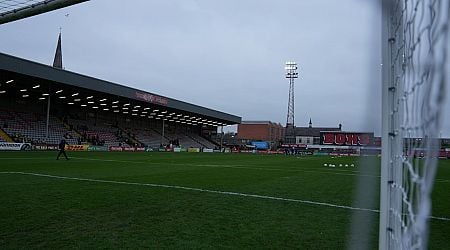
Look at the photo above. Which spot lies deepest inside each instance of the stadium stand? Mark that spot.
(97, 133)
(148, 137)
(92, 111)
(203, 141)
(31, 127)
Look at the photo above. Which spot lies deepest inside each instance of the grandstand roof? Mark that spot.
(54, 79)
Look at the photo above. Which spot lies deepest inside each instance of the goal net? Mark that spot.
(415, 74)
(12, 10)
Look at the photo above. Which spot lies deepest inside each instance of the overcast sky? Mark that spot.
(226, 55)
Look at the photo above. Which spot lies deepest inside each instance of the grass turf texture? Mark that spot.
(42, 212)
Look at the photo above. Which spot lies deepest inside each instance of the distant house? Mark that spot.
(309, 135)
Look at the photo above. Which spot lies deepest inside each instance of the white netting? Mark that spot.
(14, 5)
(12, 10)
(418, 42)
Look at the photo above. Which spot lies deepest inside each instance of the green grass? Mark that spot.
(43, 212)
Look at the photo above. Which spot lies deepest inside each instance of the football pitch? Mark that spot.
(189, 200)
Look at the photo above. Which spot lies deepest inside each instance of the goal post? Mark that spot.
(414, 77)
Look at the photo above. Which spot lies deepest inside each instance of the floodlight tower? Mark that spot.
(291, 74)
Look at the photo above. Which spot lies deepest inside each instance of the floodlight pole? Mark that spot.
(291, 74)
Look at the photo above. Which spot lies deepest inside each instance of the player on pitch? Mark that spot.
(61, 146)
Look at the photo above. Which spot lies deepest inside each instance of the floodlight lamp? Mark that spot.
(25, 95)
(23, 90)
(45, 94)
(62, 97)
(91, 102)
(75, 94)
(70, 103)
(89, 97)
(115, 102)
(37, 86)
(59, 91)
(10, 81)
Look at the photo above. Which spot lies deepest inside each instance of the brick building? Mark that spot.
(260, 131)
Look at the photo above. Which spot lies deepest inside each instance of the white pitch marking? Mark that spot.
(209, 191)
(194, 189)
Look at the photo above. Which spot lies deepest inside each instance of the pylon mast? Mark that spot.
(291, 74)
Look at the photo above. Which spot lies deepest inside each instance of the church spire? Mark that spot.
(57, 62)
(310, 123)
